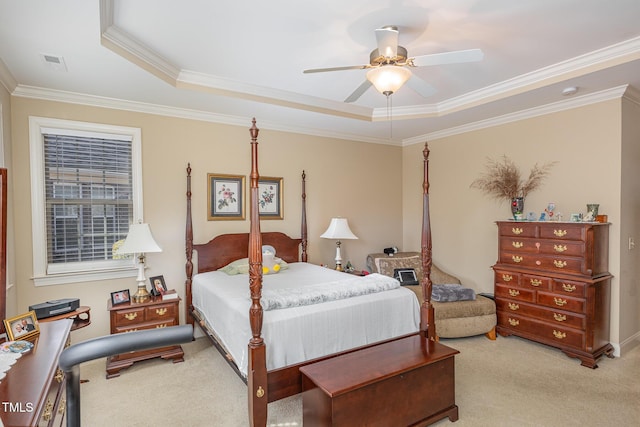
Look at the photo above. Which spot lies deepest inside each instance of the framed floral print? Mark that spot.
(226, 197)
(270, 198)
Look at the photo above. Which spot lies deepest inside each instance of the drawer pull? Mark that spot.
(517, 245)
(507, 277)
(59, 375)
(536, 282)
(516, 258)
(559, 264)
(516, 230)
(560, 248)
(559, 301)
(559, 334)
(568, 288)
(164, 325)
(514, 322)
(513, 306)
(514, 292)
(560, 233)
(131, 316)
(48, 411)
(559, 317)
(161, 311)
(63, 405)
(260, 392)
(131, 330)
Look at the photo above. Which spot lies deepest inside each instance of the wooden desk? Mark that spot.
(81, 317)
(32, 393)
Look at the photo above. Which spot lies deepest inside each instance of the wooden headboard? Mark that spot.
(226, 248)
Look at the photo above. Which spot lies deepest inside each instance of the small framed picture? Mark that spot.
(157, 285)
(226, 197)
(270, 198)
(120, 297)
(22, 327)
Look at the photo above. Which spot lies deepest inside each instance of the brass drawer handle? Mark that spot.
(161, 311)
(517, 245)
(559, 264)
(568, 288)
(507, 277)
(63, 405)
(59, 375)
(48, 411)
(536, 282)
(131, 330)
(164, 325)
(559, 334)
(560, 233)
(559, 317)
(560, 248)
(131, 316)
(514, 292)
(514, 306)
(514, 322)
(516, 230)
(516, 258)
(559, 301)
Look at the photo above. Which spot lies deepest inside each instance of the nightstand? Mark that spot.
(151, 314)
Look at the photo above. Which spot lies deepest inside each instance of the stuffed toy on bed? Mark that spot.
(270, 264)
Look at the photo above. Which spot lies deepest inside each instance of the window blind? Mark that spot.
(88, 194)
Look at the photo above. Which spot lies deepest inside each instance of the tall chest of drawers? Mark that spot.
(552, 286)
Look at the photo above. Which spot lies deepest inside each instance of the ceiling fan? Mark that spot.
(389, 66)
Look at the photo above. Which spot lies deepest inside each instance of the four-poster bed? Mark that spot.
(270, 367)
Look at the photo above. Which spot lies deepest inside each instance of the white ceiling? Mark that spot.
(230, 61)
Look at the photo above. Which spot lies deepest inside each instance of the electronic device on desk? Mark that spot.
(55, 307)
(406, 276)
(390, 251)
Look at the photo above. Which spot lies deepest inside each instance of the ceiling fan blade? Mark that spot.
(470, 55)
(387, 39)
(359, 91)
(420, 86)
(349, 67)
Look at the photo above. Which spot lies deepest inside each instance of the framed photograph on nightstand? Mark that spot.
(157, 285)
(120, 297)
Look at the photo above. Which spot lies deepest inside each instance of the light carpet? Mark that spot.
(507, 382)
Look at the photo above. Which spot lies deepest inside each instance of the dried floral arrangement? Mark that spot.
(502, 179)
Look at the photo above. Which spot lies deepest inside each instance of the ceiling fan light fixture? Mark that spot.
(387, 79)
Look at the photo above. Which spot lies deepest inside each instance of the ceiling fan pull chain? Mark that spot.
(389, 118)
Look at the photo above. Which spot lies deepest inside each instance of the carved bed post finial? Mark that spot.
(427, 317)
(189, 249)
(303, 223)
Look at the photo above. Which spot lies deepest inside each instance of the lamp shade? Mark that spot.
(338, 229)
(387, 79)
(139, 240)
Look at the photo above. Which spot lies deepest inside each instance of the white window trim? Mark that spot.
(91, 271)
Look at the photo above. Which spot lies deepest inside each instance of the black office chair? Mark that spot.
(110, 345)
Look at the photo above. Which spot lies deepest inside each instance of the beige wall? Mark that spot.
(585, 142)
(343, 178)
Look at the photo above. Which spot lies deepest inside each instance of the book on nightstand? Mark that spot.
(170, 294)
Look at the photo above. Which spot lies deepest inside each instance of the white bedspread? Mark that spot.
(296, 334)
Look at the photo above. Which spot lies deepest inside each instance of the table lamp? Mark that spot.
(139, 241)
(338, 229)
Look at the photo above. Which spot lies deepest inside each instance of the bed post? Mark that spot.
(303, 222)
(427, 316)
(257, 367)
(189, 251)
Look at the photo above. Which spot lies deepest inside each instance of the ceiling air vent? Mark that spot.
(55, 62)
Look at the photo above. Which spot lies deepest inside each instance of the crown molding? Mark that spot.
(554, 107)
(6, 78)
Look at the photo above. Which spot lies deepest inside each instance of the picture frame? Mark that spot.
(120, 297)
(158, 285)
(226, 197)
(22, 327)
(271, 197)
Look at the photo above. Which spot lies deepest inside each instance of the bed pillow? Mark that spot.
(241, 266)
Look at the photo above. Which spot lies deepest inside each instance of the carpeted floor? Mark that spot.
(508, 382)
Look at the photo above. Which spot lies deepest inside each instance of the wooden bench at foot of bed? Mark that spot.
(406, 382)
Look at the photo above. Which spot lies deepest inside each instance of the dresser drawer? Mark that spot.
(515, 293)
(145, 325)
(553, 264)
(536, 282)
(577, 305)
(567, 287)
(559, 247)
(517, 229)
(550, 316)
(562, 231)
(130, 316)
(549, 333)
(162, 312)
(507, 278)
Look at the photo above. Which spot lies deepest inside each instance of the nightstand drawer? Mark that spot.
(128, 317)
(162, 312)
(146, 325)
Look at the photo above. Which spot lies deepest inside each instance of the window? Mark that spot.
(86, 190)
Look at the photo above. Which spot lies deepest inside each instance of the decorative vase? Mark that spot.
(517, 207)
